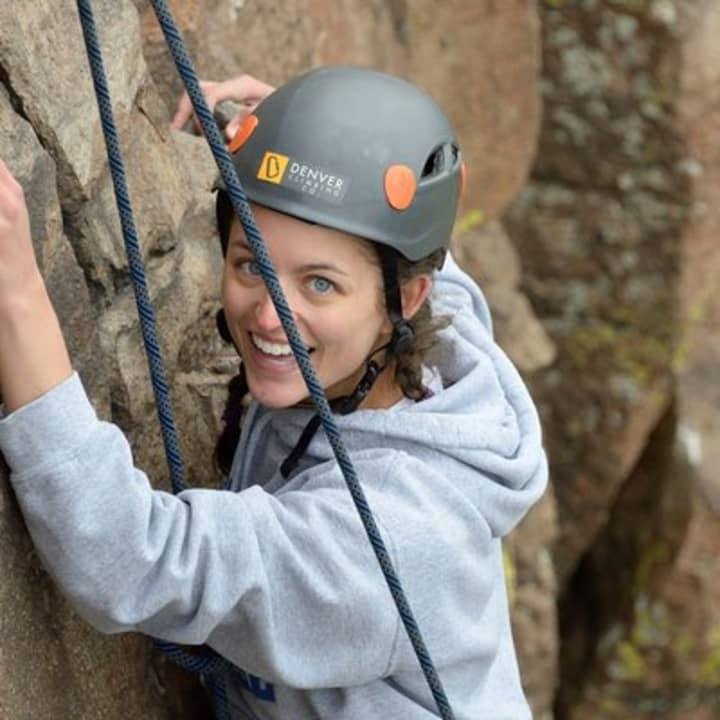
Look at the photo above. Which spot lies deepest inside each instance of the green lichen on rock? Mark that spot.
(510, 576)
(629, 5)
(655, 555)
(634, 664)
(709, 675)
(628, 663)
(639, 356)
(469, 221)
(682, 645)
(652, 624)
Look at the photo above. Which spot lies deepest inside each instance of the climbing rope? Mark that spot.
(132, 248)
(208, 664)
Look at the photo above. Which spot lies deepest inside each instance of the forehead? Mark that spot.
(288, 237)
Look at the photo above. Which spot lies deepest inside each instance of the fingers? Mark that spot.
(243, 89)
(12, 197)
(246, 89)
(234, 125)
(6, 177)
(17, 256)
(185, 113)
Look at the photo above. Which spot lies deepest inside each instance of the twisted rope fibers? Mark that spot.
(242, 209)
(132, 248)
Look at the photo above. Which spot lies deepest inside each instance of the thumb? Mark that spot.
(183, 113)
(233, 126)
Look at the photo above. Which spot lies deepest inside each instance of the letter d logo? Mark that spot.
(272, 167)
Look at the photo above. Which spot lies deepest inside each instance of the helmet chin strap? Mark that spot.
(402, 337)
(403, 333)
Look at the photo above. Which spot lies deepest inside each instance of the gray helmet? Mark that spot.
(356, 150)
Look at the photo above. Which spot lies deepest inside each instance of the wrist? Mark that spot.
(33, 354)
(24, 298)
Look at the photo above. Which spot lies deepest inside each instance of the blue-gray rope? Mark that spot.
(242, 209)
(205, 662)
(132, 248)
(213, 669)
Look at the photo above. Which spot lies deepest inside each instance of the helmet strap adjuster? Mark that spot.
(403, 333)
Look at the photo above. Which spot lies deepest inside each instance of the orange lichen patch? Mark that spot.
(244, 132)
(400, 186)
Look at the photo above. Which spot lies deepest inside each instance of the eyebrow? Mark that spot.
(315, 267)
(242, 244)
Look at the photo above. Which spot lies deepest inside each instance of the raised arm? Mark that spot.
(33, 354)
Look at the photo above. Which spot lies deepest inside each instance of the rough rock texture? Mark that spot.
(617, 233)
(51, 664)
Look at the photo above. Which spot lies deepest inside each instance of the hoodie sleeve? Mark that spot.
(286, 586)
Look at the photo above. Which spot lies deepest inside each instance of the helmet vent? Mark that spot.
(435, 163)
(455, 154)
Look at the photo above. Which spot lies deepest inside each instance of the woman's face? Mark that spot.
(333, 286)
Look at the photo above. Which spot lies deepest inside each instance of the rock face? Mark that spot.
(51, 139)
(602, 271)
(617, 237)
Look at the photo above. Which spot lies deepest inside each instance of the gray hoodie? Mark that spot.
(278, 575)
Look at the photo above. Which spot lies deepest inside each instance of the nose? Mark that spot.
(265, 314)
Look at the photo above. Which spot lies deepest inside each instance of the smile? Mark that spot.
(270, 348)
(275, 349)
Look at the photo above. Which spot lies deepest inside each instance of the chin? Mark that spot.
(277, 396)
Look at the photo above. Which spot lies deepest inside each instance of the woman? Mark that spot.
(354, 177)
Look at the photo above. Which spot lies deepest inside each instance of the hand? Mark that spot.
(18, 265)
(33, 354)
(243, 89)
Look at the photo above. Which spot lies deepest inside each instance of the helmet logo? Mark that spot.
(400, 186)
(303, 177)
(272, 167)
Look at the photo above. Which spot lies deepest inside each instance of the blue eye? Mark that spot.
(249, 266)
(321, 285)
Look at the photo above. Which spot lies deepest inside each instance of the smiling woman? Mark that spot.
(354, 177)
(338, 313)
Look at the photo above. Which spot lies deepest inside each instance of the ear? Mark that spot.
(414, 292)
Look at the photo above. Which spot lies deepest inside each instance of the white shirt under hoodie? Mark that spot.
(278, 575)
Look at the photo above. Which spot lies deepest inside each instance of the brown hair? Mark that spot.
(423, 349)
(425, 345)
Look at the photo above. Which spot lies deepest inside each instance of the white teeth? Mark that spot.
(279, 349)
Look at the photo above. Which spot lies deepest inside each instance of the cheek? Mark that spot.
(224, 282)
(233, 294)
(351, 331)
